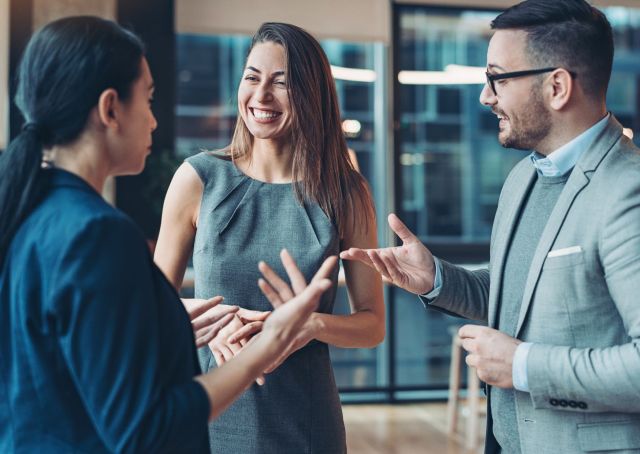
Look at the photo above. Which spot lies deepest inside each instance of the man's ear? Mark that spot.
(561, 88)
(108, 108)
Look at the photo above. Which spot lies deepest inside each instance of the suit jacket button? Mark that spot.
(582, 405)
(573, 403)
(553, 402)
(563, 403)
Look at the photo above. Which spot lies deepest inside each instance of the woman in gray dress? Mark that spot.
(285, 181)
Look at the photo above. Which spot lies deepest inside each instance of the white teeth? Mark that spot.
(263, 115)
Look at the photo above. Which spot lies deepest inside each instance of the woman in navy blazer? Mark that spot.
(97, 353)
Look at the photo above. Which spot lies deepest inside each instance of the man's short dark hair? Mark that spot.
(570, 34)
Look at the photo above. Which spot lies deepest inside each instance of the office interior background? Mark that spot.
(408, 75)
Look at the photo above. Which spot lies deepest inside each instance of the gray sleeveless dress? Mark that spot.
(241, 222)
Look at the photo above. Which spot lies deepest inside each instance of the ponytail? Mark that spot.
(21, 184)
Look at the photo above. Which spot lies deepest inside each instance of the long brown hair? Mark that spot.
(322, 170)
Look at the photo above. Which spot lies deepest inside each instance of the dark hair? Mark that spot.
(565, 33)
(65, 68)
(322, 169)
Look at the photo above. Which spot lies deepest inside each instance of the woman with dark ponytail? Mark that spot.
(97, 352)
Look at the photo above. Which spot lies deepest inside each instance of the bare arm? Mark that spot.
(365, 326)
(178, 226)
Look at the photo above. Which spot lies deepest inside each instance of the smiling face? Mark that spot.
(263, 96)
(525, 120)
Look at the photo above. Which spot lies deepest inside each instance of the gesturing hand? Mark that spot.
(410, 266)
(292, 321)
(220, 346)
(491, 352)
(208, 317)
(232, 338)
(253, 321)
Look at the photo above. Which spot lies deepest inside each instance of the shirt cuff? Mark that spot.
(437, 282)
(519, 367)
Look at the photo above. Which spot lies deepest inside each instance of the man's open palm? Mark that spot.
(410, 266)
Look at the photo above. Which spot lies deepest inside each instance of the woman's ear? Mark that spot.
(108, 105)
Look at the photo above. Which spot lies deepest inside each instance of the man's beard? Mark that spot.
(530, 126)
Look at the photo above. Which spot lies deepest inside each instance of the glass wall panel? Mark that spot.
(451, 165)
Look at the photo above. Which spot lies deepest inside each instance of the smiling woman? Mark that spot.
(285, 181)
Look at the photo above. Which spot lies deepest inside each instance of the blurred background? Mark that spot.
(408, 75)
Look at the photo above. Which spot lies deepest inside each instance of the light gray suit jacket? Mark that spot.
(581, 303)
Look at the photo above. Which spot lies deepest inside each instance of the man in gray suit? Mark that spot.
(561, 352)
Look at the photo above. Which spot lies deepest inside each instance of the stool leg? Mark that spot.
(454, 386)
(473, 397)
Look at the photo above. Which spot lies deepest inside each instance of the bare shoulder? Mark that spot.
(186, 178)
(184, 193)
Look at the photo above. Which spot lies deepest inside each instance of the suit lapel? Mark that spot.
(517, 193)
(578, 180)
(574, 185)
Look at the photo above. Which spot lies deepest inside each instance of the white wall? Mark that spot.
(45, 11)
(349, 20)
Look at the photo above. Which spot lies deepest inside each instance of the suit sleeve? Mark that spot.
(463, 293)
(109, 331)
(601, 379)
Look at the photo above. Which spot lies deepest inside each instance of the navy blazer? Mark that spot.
(96, 350)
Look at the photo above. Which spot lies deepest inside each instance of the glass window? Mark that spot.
(451, 164)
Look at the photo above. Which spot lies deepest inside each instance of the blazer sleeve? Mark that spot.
(601, 379)
(109, 329)
(464, 293)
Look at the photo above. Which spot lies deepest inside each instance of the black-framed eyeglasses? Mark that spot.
(491, 78)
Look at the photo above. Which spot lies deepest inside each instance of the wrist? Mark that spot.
(264, 350)
(316, 325)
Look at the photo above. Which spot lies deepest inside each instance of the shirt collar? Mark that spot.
(59, 178)
(562, 160)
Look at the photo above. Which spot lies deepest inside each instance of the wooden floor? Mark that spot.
(403, 429)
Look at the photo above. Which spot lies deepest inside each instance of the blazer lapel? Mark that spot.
(579, 178)
(517, 194)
